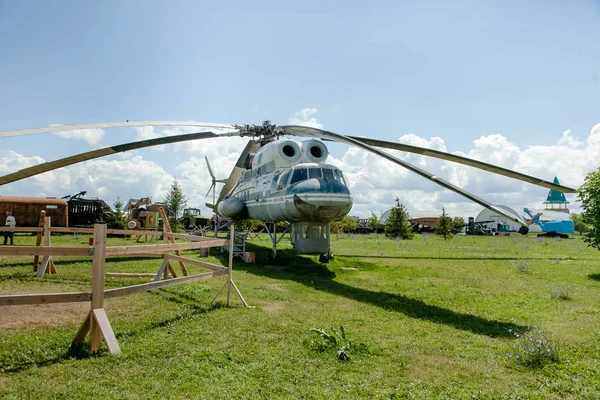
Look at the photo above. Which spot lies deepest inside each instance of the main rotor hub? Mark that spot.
(266, 132)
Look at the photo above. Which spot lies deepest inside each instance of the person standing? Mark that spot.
(10, 221)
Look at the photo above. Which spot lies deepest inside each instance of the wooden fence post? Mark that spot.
(97, 322)
(38, 240)
(47, 263)
(230, 283)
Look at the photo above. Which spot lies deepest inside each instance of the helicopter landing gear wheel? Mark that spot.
(324, 258)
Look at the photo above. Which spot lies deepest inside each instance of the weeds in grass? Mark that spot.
(336, 340)
(562, 294)
(534, 349)
(522, 266)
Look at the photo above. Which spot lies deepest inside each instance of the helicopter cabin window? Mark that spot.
(247, 174)
(300, 174)
(327, 173)
(314, 173)
(283, 180)
(268, 167)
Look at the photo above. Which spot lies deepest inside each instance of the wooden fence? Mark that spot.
(97, 322)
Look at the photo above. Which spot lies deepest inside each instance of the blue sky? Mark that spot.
(527, 71)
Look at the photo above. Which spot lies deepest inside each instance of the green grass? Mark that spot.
(431, 318)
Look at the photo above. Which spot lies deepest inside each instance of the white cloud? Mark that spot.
(306, 117)
(92, 136)
(374, 182)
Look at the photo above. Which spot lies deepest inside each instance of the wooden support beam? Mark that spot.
(192, 238)
(44, 298)
(20, 229)
(38, 240)
(43, 251)
(128, 275)
(230, 269)
(144, 287)
(99, 316)
(166, 231)
(198, 263)
(159, 248)
(98, 271)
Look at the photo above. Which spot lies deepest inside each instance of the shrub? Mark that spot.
(534, 349)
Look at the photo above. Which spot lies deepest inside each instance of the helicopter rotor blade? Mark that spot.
(251, 147)
(66, 128)
(465, 161)
(90, 155)
(322, 134)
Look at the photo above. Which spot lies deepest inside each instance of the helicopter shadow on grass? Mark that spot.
(595, 277)
(440, 258)
(318, 276)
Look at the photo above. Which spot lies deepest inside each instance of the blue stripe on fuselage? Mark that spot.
(318, 185)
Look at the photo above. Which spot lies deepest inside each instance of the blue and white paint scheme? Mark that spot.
(291, 181)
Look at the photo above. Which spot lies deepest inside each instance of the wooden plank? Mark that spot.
(159, 248)
(83, 329)
(184, 236)
(230, 269)
(43, 251)
(144, 287)
(239, 294)
(98, 266)
(42, 271)
(60, 229)
(38, 240)
(95, 333)
(125, 232)
(43, 298)
(128, 275)
(20, 229)
(107, 331)
(161, 270)
(198, 263)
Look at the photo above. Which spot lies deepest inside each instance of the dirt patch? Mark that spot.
(27, 317)
(277, 287)
(273, 307)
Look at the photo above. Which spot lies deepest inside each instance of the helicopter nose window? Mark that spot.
(328, 173)
(300, 174)
(314, 173)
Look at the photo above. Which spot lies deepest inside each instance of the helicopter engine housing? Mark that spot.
(282, 154)
(314, 151)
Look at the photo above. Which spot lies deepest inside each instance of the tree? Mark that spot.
(397, 223)
(444, 225)
(589, 196)
(580, 226)
(175, 202)
(346, 224)
(116, 219)
(373, 222)
(458, 223)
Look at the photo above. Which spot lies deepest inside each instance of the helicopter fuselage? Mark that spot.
(291, 182)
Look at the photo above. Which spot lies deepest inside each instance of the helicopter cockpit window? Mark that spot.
(327, 173)
(314, 173)
(283, 180)
(300, 174)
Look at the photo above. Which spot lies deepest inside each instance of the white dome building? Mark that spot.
(491, 219)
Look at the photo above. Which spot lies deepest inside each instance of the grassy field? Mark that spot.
(426, 318)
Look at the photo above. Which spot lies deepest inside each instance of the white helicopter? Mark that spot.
(282, 180)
